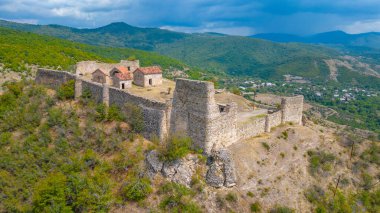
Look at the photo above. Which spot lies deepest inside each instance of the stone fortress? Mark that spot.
(194, 108)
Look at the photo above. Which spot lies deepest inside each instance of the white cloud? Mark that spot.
(362, 26)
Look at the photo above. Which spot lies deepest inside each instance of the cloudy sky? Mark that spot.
(237, 17)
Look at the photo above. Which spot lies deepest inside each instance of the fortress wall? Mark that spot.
(192, 109)
(292, 109)
(95, 89)
(272, 120)
(154, 112)
(87, 67)
(254, 127)
(52, 78)
(223, 128)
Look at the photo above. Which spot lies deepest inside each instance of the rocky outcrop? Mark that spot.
(179, 171)
(221, 170)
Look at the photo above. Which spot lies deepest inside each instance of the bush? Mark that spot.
(266, 146)
(372, 154)
(178, 198)
(56, 117)
(174, 147)
(66, 90)
(255, 207)
(281, 209)
(231, 197)
(320, 161)
(50, 194)
(138, 189)
(114, 114)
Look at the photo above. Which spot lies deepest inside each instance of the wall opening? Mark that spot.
(129, 68)
(122, 86)
(150, 81)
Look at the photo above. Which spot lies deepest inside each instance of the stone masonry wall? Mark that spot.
(155, 119)
(272, 120)
(53, 78)
(192, 110)
(223, 127)
(292, 109)
(254, 127)
(95, 89)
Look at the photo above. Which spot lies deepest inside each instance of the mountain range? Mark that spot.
(370, 40)
(235, 56)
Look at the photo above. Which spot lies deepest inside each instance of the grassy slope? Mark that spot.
(18, 48)
(220, 54)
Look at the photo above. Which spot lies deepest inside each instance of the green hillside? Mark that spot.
(238, 56)
(20, 48)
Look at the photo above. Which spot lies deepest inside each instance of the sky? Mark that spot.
(234, 17)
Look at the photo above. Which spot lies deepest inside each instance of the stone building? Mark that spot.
(147, 76)
(99, 76)
(121, 77)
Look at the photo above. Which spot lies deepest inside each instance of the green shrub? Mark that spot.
(49, 195)
(231, 197)
(5, 138)
(174, 147)
(250, 194)
(320, 162)
(255, 207)
(372, 154)
(281, 209)
(101, 112)
(66, 90)
(137, 189)
(56, 117)
(177, 198)
(114, 114)
(265, 145)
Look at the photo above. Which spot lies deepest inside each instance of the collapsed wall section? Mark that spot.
(52, 78)
(292, 109)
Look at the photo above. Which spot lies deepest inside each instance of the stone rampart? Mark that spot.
(53, 78)
(192, 111)
(251, 128)
(154, 112)
(272, 120)
(223, 127)
(292, 109)
(95, 90)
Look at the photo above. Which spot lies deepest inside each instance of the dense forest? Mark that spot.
(18, 49)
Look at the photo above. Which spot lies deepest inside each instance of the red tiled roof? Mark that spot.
(123, 69)
(150, 70)
(124, 76)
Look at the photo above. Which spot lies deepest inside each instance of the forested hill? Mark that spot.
(20, 48)
(235, 55)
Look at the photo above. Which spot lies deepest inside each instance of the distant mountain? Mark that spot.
(217, 53)
(371, 40)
